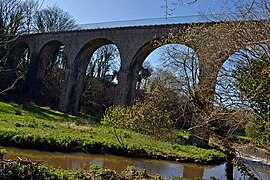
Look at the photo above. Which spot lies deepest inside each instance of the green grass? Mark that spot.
(30, 126)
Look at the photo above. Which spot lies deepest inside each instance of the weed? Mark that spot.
(18, 111)
(131, 168)
(96, 169)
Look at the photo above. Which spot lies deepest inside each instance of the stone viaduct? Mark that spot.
(134, 45)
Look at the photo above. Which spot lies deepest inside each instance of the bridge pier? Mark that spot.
(71, 92)
(123, 92)
(127, 81)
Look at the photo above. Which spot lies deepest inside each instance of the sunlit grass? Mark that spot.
(31, 126)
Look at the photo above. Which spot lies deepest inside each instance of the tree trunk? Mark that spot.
(229, 166)
(199, 137)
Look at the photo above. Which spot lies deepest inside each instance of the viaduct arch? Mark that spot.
(134, 45)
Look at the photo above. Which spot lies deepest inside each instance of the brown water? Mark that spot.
(167, 169)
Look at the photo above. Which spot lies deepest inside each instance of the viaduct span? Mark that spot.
(134, 45)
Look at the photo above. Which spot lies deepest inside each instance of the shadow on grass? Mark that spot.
(80, 119)
(48, 114)
(95, 120)
(35, 111)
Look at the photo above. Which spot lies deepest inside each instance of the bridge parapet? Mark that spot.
(152, 22)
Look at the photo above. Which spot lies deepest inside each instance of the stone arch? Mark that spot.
(16, 54)
(238, 58)
(75, 78)
(210, 68)
(89, 48)
(37, 72)
(145, 51)
(136, 66)
(44, 55)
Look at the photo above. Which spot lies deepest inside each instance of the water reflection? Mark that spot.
(166, 169)
(193, 171)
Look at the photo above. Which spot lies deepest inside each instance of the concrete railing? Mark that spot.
(156, 21)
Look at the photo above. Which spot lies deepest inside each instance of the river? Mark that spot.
(167, 169)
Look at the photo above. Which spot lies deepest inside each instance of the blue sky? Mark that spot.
(95, 11)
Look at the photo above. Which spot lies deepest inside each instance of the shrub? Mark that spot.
(158, 113)
(250, 130)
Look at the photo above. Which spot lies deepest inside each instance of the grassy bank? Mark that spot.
(29, 126)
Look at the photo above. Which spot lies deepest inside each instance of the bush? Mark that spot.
(158, 113)
(250, 130)
(141, 117)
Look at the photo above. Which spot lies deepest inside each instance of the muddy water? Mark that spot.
(166, 169)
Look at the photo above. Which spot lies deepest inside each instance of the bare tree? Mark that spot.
(169, 6)
(104, 61)
(30, 9)
(183, 62)
(54, 19)
(10, 21)
(11, 17)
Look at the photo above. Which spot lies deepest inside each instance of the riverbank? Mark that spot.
(166, 169)
(253, 155)
(83, 161)
(22, 169)
(30, 126)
